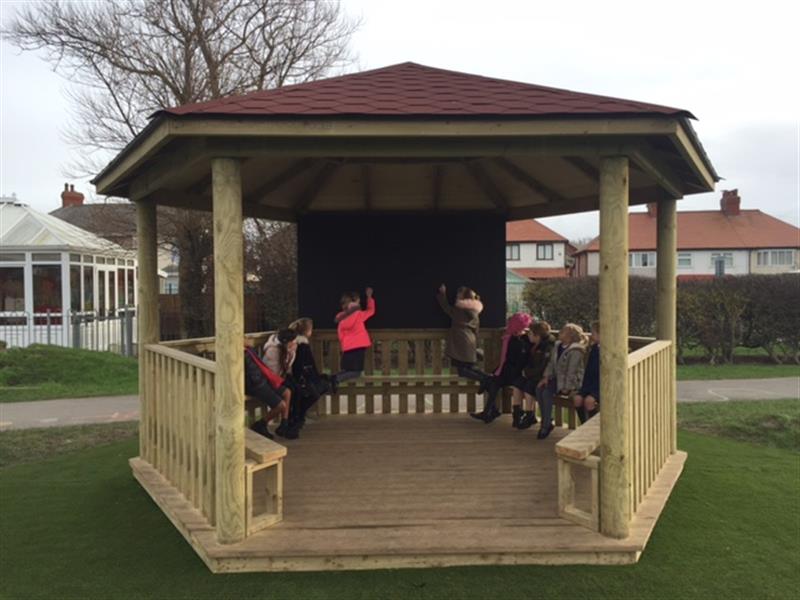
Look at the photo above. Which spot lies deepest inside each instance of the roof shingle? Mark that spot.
(410, 89)
(530, 230)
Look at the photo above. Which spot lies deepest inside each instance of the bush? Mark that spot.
(715, 315)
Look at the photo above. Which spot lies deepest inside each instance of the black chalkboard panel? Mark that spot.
(405, 258)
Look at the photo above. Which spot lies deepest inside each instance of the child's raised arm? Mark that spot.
(370, 311)
(441, 296)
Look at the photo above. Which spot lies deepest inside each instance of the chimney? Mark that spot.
(652, 209)
(69, 197)
(729, 203)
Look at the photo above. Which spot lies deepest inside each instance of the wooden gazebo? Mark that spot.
(407, 162)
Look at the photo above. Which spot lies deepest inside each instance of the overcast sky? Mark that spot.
(734, 65)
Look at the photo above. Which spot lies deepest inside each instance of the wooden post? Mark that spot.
(229, 332)
(615, 477)
(666, 284)
(147, 309)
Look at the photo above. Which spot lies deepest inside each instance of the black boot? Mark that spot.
(528, 420)
(544, 430)
(285, 430)
(582, 416)
(516, 416)
(260, 427)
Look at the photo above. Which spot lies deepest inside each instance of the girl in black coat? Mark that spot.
(310, 384)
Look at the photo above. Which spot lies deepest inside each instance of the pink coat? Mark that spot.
(352, 330)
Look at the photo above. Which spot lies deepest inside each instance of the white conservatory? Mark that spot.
(60, 284)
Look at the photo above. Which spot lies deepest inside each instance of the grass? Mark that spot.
(774, 423)
(731, 530)
(41, 372)
(31, 445)
(736, 371)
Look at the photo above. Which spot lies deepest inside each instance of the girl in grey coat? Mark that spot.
(564, 373)
(462, 339)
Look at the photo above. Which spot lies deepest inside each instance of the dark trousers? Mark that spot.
(468, 370)
(495, 383)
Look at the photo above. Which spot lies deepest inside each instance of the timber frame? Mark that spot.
(192, 443)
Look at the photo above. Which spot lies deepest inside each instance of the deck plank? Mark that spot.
(377, 491)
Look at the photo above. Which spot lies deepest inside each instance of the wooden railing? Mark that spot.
(177, 422)
(651, 394)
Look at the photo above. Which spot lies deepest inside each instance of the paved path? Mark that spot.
(74, 411)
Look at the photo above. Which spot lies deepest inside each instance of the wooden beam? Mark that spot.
(260, 194)
(616, 508)
(487, 185)
(438, 174)
(529, 180)
(306, 197)
(691, 155)
(366, 174)
(229, 338)
(582, 204)
(167, 166)
(584, 167)
(147, 308)
(666, 286)
(659, 171)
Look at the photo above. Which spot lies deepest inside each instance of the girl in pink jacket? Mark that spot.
(353, 336)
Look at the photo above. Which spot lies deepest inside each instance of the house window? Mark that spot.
(88, 288)
(544, 251)
(47, 288)
(727, 256)
(12, 289)
(775, 258)
(75, 287)
(512, 251)
(130, 286)
(642, 259)
(684, 260)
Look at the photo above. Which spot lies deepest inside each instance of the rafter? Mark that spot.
(260, 194)
(528, 180)
(306, 197)
(487, 185)
(584, 167)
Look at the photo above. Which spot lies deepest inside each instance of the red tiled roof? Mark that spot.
(411, 89)
(535, 273)
(712, 229)
(530, 230)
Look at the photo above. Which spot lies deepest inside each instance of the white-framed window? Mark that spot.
(774, 258)
(512, 251)
(727, 256)
(544, 251)
(642, 259)
(684, 260)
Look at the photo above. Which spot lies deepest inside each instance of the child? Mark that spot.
(587, 400)
(353, 336)
(563, 374)
(280, 351)
(311, 384)
(524, 387)
(262, 383)
(462, 338)
(514, 356)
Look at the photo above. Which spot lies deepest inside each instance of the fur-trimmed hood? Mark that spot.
(471, 304)
(301, 339)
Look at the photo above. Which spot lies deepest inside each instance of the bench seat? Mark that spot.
(260, 449)
(577, 450)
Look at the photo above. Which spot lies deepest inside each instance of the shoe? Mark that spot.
(544, 431)
(480, 416)
(491, 415)
(260, 427)
(287, 432)
(516, 416)
(528, 420)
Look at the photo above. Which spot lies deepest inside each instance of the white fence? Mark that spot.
(88, 330)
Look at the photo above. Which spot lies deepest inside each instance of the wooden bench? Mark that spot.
(263, 481)
(565, 402)
(577, 449)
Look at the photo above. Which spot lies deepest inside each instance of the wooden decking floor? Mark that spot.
(385, 491)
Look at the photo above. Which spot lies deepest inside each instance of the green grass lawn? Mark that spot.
(79, 526)
(736, 371)
(42, 372)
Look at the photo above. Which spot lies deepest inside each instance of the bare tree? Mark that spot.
(271, 262)
(129, 58)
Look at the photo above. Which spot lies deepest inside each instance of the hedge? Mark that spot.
(715, 315)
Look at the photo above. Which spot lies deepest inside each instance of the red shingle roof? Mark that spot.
(543, 273)
(712, 229)
(411, 89)
(530, 230)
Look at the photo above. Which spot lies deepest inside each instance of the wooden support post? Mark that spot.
(615, 478)
(229, 332)
(149, 328)
(667, 289)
